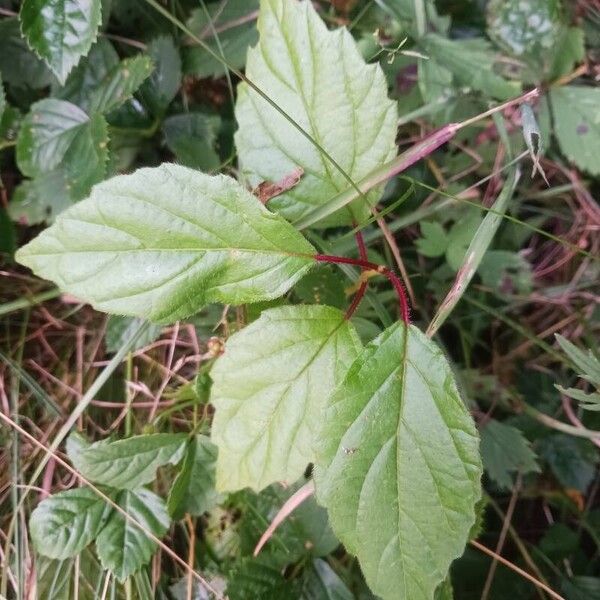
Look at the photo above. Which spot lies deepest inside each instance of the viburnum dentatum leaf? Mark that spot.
(318, 78)
(65, 523)
(60, 31)
(163, 242)
(270, 389)
(398, 465)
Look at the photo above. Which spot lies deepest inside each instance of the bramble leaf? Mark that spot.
(505, 451)
(269, 391)
(398, 466)
(122, 546)
(319, 78)
(576, 112)
(163, 242)
(131, 462)
(120, 83)
(193, 490)
(65, 523)
(60, 31)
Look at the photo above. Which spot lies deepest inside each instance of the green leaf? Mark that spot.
(472, 63)
(123, 547)
(587, 364)
(319, 78)
(573, 461)
(269, 390)
(165, 80)
(88, 74)
(60, 31)
(576, 112)
(568, 50)
(53, 578)
(131, 462)
(505, 450)
(65, 523)
(235, 24)
(193, 490)
(46, 134)
(434, 241)
(41, 199)
(320, 582)
(119, 330)
(398, 466)
(120, 83)
(254, 579)
(161, 243)
(18, 65)
(192, 137)
(2, 97)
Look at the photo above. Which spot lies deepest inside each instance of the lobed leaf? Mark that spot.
(63, 524)
(318, 78)
(131, 462)
(163, 242)
(398, 466)
(60, 31)
(269, 391)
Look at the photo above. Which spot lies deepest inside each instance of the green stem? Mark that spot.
(22, 303)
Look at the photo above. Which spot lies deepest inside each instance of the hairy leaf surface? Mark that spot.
(122, 546)
(60, 31)
(131, 462)
(163, 242)
(269, 391)
(65, 523)
(318, 78)
(576, 111)
(398, 466)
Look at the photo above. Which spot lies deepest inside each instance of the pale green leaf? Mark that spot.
(46, 134)
(163, 242)
(65, 523)
(120, 83)
(505, 451)
(269, 391)
(472, 63)
(319, 78)
(131, 462)
(321, 582)
(119, 330)
(434, 241)
(122, 546)
(60, 31)
(576, 112)
(586, 363)
(398, 465)
(193, 490)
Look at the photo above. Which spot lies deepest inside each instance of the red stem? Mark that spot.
(369, 266)
(362, 252)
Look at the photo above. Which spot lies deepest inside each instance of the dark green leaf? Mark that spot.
(120, 83)
(320, 582)
(254, 579)
(60, 31)
(191, 137)
(193, 490)
(131, 462)
(165, 80)
(123, 547)
(505, 451)
(65, 523)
